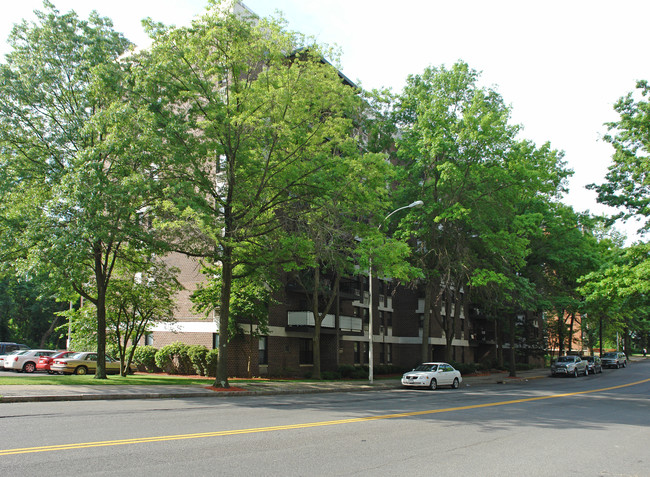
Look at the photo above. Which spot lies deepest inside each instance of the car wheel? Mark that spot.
(81, 370)
(433, 384)
(456, 384)
(29, 367)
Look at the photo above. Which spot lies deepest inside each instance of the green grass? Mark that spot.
(89, 380)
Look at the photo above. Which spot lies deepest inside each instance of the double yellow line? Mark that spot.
(144, 440)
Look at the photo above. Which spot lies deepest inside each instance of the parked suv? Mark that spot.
(7, 348)
(615, 359)
(569, 366)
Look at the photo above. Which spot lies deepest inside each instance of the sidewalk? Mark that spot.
(36, 392)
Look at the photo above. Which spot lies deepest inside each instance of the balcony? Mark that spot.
(306, 318)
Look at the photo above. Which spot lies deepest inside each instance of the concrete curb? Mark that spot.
(33, 394)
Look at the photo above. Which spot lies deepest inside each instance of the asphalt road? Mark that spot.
(593, 426)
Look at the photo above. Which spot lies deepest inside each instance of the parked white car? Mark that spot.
(26, 360)
(9, 353)
(433, 375)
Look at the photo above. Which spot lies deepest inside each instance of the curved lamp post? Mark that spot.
(371, 292)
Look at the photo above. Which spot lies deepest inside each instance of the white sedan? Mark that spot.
(26, 360)
(433, 375)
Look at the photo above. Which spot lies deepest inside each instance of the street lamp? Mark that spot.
(371, 293)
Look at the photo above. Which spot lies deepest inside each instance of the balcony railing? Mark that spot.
(306, 318)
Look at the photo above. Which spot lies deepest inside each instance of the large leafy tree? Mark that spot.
(340, 233)
(628, 180)
(253, 119)
(75, 159)
(459, 155)
(621, 287)
(618, 294)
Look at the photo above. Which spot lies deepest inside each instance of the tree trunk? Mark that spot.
(100, 306)
(337, 324)
(49, 331)
(319, 316)
(450, 325)
(572, 320)
(513, 366)
(100, 373)
(600, 334)
(426, 323)
(224, 316)
(560, 333)
(499, 340)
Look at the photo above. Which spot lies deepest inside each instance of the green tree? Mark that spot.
(29, 312)
(76, 177)
(459, 155)
(619, 290)
(627, 181)
(253, 118)
(142, 292)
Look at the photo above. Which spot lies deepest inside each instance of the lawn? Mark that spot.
(89, 380)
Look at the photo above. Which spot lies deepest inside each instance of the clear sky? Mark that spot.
(560, 64)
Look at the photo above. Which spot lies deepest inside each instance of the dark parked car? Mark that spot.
(594, 364)
(615, 359)
(7, 348)
(569, 366)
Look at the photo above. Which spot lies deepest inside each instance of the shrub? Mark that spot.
(211, 359)
(145, 358)
(348, 371)
(465, 368)
(198, 357)
(387, 369)
(174, 359)
(330, 375)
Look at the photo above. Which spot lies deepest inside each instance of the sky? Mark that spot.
(560, 64)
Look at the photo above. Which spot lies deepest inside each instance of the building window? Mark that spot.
(356, 346)
(306, 351)
(389, 318)
(365, 352)
(215, 340)
(263, 350)
(148, 339)
(389, 353)
(382, 353)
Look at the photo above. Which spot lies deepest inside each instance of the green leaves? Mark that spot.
(627, 181)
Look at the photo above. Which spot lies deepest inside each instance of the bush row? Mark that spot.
(177, 358)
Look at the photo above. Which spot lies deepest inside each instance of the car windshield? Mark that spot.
(589, 358)
(427, 367)
(565, 359)
(609, 355)
(76, 356)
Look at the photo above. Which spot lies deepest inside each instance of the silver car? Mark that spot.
(569, 366)
(614, 359)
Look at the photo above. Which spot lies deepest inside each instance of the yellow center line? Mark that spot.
(143, 440)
